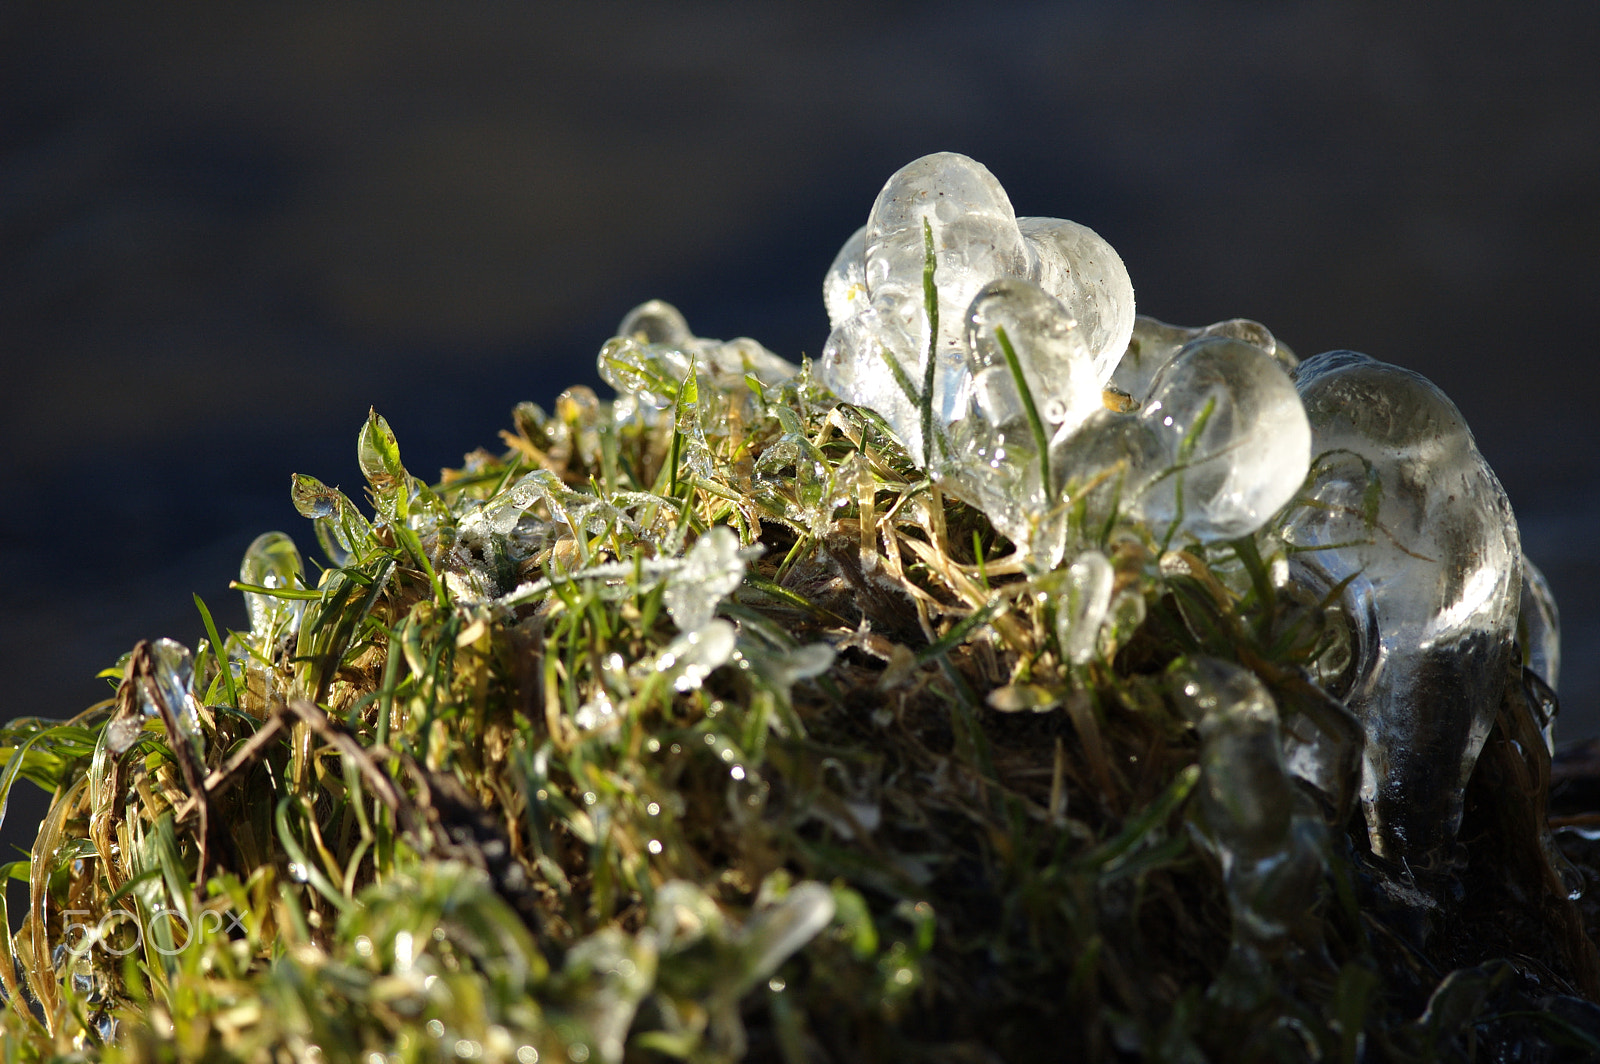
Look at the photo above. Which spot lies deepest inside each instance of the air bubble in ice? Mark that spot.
(1403, 507)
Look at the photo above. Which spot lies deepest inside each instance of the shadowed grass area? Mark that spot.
(701, 725)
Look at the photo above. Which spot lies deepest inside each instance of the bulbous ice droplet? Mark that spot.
(1077, 267)
(1082, 608)
(1403, 506)
(272, 560)
(844, 289)
(1269, 849)
(1539, 625)
(875, 359)
(999, 451)
(975, 235)
(173, 676)
(657, 322)
(1154, 344)
(1237, 441)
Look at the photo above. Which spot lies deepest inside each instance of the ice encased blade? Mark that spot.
(1403, 507)
(1015, 329)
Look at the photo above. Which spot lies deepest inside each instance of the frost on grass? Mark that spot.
(1023, 680)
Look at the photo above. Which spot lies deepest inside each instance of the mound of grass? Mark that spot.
(716, 732)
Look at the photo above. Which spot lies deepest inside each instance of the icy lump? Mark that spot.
(986, 342)
(1405, 513)
(886, 347)
(1005, 355)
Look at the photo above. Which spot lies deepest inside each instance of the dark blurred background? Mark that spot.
(225, 232)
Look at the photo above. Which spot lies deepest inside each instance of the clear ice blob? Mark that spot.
(974, 229)
(1405, 514)
(657, 322)
(844, 289)
(1104, 468)
(1155, 343)
(1236, 438)
(951, 207)
(1029, 377)
(1082, 608)
(1539, 636)
(1269, 845)
(272, 560)
(173, 683)
(1219, 447)
(875, 359)
(1076, 266)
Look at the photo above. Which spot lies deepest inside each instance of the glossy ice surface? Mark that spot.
(952, 208)
(1403, 506)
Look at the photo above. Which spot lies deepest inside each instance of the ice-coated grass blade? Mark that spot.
(1041, 441)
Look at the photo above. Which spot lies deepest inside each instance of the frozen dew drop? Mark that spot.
(712, 570)
(1082, 607)
(272, 560)
(1236, 438)
(691, 657)
(844, 289)
(1269, 847)
(1404, 508)
(774, 934)
(1083, 272)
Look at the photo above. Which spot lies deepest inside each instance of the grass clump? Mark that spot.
(699, 725)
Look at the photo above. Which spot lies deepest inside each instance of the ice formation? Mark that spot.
(1405, 514)
(901, 294)
(1005, 355)
(986, 343)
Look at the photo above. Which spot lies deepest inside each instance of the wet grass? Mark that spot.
(716, 732)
